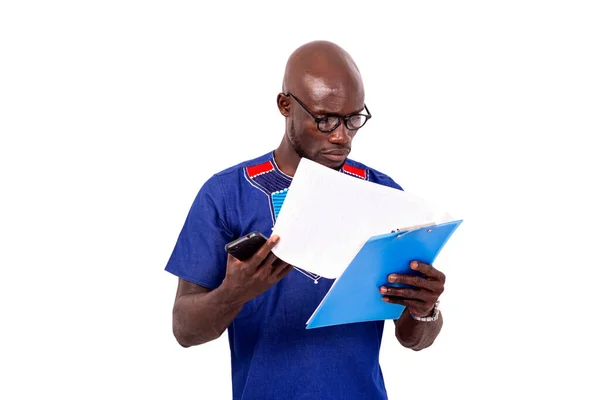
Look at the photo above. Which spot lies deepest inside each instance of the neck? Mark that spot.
(286, 158)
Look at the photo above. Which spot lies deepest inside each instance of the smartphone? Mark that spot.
(245, 247)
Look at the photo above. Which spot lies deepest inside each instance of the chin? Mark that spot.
(334, 164)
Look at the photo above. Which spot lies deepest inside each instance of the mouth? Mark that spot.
(336, 155)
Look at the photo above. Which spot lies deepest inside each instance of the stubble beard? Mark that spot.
(295, 143)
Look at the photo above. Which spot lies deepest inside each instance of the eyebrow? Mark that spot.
(324, 113)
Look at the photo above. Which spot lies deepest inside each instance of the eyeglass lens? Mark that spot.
(330, 123)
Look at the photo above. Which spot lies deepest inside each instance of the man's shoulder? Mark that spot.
(230, 178)
(254, 165)
(363, 171)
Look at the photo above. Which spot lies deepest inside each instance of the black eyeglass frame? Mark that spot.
(339, 119)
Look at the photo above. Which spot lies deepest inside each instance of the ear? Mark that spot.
(283, 103)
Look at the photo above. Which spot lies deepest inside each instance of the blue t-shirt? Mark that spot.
(273, 355)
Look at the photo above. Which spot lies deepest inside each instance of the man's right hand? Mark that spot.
(247, 279)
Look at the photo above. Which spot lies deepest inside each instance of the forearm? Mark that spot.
(201, 317)
(417, 335)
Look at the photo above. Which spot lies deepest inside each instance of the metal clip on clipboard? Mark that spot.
(410, 228)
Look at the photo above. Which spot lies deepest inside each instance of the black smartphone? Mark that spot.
(245, 247)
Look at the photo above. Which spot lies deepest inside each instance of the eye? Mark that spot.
(356, 121)
(329, 123)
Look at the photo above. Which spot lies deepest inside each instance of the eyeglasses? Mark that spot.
(330, 122)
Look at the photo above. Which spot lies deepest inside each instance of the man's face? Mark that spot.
(329, 149)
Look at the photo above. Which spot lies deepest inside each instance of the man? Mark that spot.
(264, 303)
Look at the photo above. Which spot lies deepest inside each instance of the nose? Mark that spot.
(340, 135)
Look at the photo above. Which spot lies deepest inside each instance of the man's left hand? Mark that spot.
(424, 293)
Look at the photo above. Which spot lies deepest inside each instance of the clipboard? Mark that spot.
(355, 297)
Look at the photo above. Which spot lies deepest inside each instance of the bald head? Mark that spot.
(321, 82)
(320, 71)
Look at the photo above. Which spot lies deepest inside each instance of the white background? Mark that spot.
(114, 113)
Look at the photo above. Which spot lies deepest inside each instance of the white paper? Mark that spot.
(327, 217)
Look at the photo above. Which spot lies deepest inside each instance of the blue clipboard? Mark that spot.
(355, 296)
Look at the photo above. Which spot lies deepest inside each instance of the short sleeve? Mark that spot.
(384, 179)
(391, 183)
(199, 255)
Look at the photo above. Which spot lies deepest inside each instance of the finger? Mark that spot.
(286, 269)
(265, 269)
(416, 304)
(278, 262)
(415, 307)
(417, 281)
(263, 252)
(406, 293)
(269, 261)
(278, 265)
(232, 260)
(428, 270)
